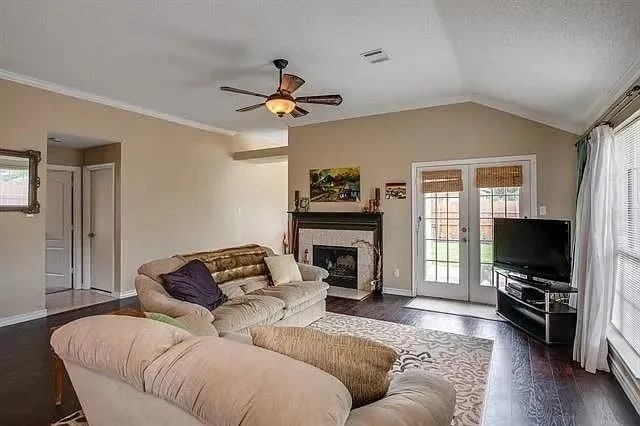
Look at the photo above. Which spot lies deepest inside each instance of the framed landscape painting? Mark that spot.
(337, 184)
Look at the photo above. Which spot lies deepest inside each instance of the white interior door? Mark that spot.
(453, 241)
(100, 226)
(59, 231)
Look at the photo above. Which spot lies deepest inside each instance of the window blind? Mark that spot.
(625, 315)
(498, 176)
(442, 181)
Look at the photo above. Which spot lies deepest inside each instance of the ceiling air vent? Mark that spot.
(375, 56)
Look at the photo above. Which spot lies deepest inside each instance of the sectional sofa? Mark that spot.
(243, 278)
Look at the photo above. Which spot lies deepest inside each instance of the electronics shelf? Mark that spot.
(536, 307)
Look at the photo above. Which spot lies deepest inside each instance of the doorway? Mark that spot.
(62, 229)
(99, 226)
(453, 210)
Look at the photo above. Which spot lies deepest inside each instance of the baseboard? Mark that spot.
(629, 384)
(15, 319)
(128, 293)
(397, 291)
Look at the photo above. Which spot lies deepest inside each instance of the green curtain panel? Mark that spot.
(583, 154)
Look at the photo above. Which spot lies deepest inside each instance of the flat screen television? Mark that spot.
(535, 247)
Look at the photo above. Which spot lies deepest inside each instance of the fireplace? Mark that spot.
(338, 231)
(341, 262)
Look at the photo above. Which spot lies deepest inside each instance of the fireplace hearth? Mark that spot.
(341, 262)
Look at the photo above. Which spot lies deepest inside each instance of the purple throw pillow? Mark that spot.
(193, 283)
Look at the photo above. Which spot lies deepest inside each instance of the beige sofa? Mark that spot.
(251, 300)
(136, 371)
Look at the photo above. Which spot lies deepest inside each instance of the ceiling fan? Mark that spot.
(281, 102)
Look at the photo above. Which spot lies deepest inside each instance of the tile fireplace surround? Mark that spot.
(339, 230)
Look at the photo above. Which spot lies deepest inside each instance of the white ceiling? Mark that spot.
(558, 62)
(68, 140)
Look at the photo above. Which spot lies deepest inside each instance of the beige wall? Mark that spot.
(63, 156)
(384, 146)
(181, 191)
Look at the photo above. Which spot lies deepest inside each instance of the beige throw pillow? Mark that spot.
(362, 365)
(283, 269)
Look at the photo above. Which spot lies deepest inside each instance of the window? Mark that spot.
(625, 315)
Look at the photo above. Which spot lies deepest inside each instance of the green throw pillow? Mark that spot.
(167, 320)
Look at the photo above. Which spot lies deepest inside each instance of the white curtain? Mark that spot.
(594, 252)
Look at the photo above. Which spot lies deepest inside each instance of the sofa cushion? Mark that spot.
(116, 345)
(250, 284)
(362, 365)
(155, 268)
(232, 289)
(245, 311)
(294, 294)
(224, 382)
(293, 310)
(193, 283)
(283, 269)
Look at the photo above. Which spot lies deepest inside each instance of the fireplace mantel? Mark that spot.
(355, 218)
(358, 221)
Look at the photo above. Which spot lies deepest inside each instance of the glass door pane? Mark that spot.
(441, 237)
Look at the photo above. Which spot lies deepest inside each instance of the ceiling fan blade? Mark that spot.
(250, 108)
(241, 91)
(321, 99)
(298, 112)
(291, 83)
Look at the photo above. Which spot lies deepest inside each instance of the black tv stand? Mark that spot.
(541, 309)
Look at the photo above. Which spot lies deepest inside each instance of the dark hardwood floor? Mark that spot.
(529, 384)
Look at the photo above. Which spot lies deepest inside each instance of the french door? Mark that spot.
(454, 207)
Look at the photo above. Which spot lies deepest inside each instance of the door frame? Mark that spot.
(86, 222)
(77, 248)
(533, 176)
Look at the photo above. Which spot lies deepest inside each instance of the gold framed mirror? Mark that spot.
(19, 181)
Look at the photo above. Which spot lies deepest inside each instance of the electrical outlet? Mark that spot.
(396, 272)
(543, 210)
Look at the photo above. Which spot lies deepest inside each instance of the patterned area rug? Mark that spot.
(462, 360)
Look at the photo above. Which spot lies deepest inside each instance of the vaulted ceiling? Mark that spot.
(558, 62)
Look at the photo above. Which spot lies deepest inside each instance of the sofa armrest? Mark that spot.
(312, 273)
(154, 298)
(415, 397)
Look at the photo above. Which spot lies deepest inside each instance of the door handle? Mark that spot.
(418, 224)
(464, 239)
(91, 235)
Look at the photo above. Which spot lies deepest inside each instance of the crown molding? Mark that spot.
(523, 112)
(85, 96)
(600, 106)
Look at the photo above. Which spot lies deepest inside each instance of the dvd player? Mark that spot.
(524, 292)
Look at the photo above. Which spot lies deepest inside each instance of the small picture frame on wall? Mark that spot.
(395, 191)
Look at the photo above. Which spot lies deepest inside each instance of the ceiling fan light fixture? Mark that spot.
(280, 104)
